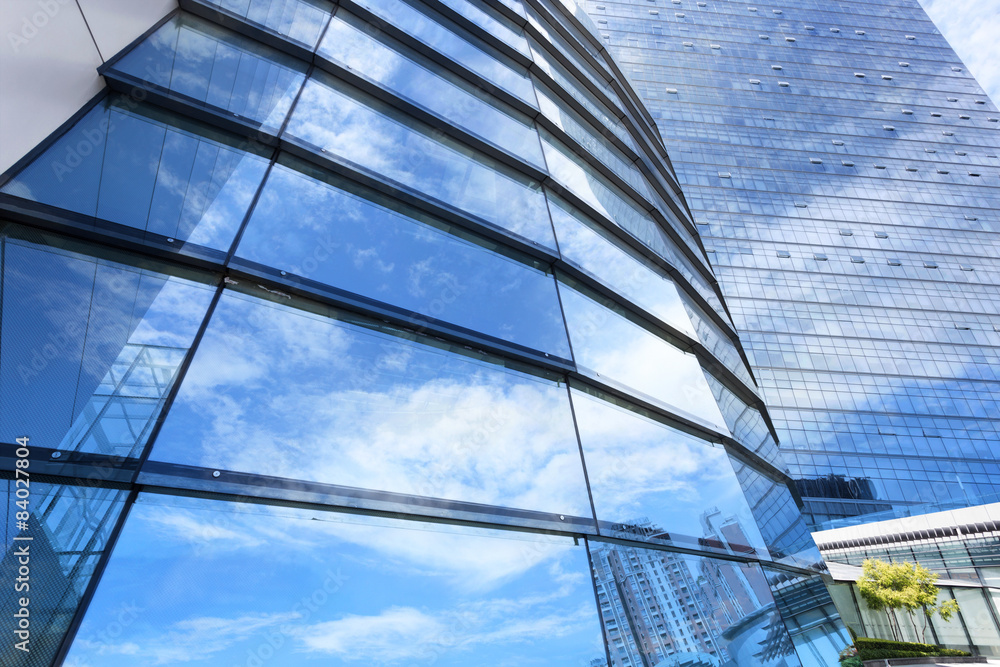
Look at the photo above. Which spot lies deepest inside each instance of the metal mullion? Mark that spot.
(441, 59)
(178, 381)
(95, 578)
(480, 32)
(447, 127)
(583, 458)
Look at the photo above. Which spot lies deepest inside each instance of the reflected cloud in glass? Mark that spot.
(335, 118)
(618, 349)
(320, 227)
(286, 393)
(646, 474)
(294, 587)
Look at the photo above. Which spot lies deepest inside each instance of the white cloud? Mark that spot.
(289, 394)
(397, 633)
(404, 633)
(192, 639)
(972, 28)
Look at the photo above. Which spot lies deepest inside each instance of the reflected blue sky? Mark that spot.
(218, 68)
(338, 119)
(281, 392)
(229, 581)
(315, 229)
(641, 469)
(132, 165)
(613, 346)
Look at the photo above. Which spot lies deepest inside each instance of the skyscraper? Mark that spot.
(842, 166)
(372, 332)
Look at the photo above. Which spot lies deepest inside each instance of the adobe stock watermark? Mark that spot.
(92, 139)
(33, 23)
(126, 614)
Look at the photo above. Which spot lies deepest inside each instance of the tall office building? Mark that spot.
(376, 333)
(842, 166)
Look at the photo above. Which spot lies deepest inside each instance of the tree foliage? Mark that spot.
(909, 587)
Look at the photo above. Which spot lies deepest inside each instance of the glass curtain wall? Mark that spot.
(841, 164)
(379, 332)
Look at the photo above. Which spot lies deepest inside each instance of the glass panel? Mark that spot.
(140, 166)
(573, 172)
(616, 348)
(234, 584)
(950, 634)
(746, 424)
(626, 212)
(320, 227)
(298, 395)
(218, 68)
(89, 347)
(592, 248)
(483, 16)
(583, 64)
(990, 576)
(68, 527)
(810, 616)
(473, 56)
(785, 532)
(595, 144)
(514, 5)
(655, 482)
(664, 608)
(976, 613)
(717, 341)
(848, 610)
(348, 42)
(369, 134)
(568, 83)
(301, 20)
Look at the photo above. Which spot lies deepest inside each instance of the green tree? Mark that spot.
(909, 587)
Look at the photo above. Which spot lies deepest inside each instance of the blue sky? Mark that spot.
(973, 28)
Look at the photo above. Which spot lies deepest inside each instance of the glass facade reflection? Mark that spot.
(380, 332)
(841, 165)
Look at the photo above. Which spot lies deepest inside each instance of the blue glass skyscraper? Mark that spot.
(842, 166)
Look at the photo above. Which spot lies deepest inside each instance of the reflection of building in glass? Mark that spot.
(69, 529)
(359, 332)
(664, 608)
(841, 165)
(124, 407)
